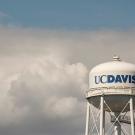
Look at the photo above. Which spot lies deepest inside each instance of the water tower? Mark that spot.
(111, 90)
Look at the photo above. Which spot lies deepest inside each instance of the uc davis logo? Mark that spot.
(115, 79)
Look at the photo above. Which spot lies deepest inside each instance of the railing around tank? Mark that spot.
(110, 90)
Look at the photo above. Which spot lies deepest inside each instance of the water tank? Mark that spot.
(115, 80)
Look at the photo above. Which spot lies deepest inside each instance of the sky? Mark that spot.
(71, 14)
(47, 49)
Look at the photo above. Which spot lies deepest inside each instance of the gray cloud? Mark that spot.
(44, 75)
(2, 14)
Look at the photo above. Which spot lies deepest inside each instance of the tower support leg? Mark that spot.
(102, 115)
(104, 122)
(87, 119)
(132, 116)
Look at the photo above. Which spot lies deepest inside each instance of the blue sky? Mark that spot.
(69, 14)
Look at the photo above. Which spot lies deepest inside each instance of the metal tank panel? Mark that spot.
(115, 73)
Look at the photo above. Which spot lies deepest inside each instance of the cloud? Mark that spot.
(2, 14)
(44, 75)
(7, 20)
(47, 91)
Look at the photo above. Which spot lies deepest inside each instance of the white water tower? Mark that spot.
(111, 90)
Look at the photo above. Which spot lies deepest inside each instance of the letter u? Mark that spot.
(97, 79)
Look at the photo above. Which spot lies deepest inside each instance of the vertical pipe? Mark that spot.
(104, 122)
(87, 119)
(101, 114)
(132, 116)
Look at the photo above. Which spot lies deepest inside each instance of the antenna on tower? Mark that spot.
(116, 58)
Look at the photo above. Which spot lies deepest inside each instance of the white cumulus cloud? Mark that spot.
(44, 76)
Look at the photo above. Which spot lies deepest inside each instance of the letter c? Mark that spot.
(103, 79)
